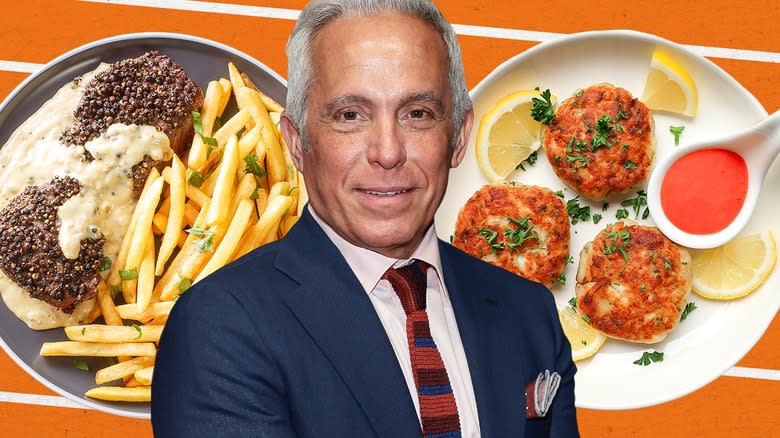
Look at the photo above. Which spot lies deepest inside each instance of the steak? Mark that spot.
(32, 256)
(151, 90)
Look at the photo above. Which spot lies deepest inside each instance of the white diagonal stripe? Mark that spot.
(462, 29)
(62, 402)
(21, 67)
(41, 400)
(753, 373)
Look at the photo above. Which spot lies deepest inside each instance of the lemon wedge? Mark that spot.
(508, 135)
(734, 269)
(585, 340)
(670, 87)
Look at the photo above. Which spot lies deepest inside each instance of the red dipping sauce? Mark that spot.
(703, 191)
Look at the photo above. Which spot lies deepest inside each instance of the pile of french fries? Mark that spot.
(238, 190)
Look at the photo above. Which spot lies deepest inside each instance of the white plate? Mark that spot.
(717, 334)
(203, 60)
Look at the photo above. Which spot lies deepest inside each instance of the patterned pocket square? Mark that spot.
(539, 394)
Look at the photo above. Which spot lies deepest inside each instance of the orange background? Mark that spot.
(36, 31)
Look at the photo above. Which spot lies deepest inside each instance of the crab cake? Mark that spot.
(601, 141)
(633, 282)
(523, 229)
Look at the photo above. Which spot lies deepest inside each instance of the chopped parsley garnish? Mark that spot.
(115, 290)
(636, 203)
(561, 278)
(667, 264)
(603, 131)
(570, 260)
(643, 288)
(629, 165)
(206, 241)
(490, 236)
(573, 302)
(531, 160)
(620, 243)
(596, 218)
(676, 131)
(80, 364)
(604, 206)
(557, 158)
(83, 331)
(252, 166)
(582, 160)
(524, 231)
(651, 253)
(621, 213)
(105, 263)
(197, 124)
(690, 307)
(184, 284)
(579, 92)
(559, 193)
(650, 357)
(586, 318)
(129, 274)
(255, 193)
(138, 329)
(542, 110)
(195, 179)
(576, 212)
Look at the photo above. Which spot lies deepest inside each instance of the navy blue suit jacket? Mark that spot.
(285, 342)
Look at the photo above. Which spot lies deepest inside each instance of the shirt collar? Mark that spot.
(369, 266)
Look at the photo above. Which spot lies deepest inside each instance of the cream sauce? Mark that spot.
(33, 155)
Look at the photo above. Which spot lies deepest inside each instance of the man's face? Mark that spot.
(380, 130)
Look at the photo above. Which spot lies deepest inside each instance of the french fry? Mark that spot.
(231, 127)
(270, 104)
(146, 275)
(227, 88)
(211, 109)
(244, 190)
(277, 168)
(77, 348)
(144, 375)
(106, 302)
(170, 280)
(94, 313)
(190, 214)
(277, 207)
(118, 393)
(223, 190)
(236, 80)
(159, 222)
(196, 195)
(123, 369)
(114, 280)
(261, 201)
(280, 188)
(146, 205)
(175, 215)
(130, 311)
(229, 243)
(114, 333)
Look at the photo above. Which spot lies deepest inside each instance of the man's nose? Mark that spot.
(386, 145)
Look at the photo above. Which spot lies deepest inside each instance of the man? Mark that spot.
(360, 323)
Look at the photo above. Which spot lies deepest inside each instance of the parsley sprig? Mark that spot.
(206, 241)
(650, 357)
(542, 110)
(576, 212)
(690, 307)
(490, 236)
(517, 236)
(636, 203)
(676, 131)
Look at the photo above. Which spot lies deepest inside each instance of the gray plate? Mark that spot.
(203, 60)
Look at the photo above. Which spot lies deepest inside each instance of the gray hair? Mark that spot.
(318, 13)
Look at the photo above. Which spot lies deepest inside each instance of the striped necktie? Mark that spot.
(438, 411)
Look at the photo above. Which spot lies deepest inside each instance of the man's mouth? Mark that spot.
(389, 193)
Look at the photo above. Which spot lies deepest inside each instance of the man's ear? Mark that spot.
(293, 139)
(462, 139)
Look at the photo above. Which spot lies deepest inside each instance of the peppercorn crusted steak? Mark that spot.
(633, 282)
(149, 90)
(31, 254)
(601, 141)
(71, 174)
(523, 229)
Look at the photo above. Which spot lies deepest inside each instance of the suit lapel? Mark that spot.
(332, 306)
(494, 363)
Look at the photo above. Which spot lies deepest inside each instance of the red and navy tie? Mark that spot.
(438, 411)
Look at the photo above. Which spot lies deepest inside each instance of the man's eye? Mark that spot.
(418, 114)
(349, 116)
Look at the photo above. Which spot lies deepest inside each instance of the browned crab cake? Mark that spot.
(601, 141)
(633, 282)
(523, 229)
